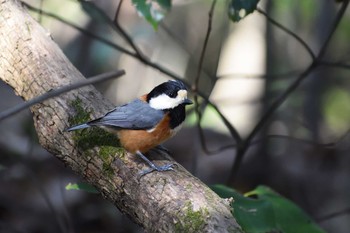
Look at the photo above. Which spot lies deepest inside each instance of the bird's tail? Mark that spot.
(81, 126)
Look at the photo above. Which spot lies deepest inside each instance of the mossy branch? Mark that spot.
(33, 64)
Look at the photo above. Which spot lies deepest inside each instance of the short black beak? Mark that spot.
(187, 102)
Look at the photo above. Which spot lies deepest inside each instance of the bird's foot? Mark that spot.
(167, 167)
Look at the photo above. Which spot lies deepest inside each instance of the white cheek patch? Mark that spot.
(163, 101)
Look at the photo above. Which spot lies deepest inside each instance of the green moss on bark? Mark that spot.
(193, 221)
(106, 143)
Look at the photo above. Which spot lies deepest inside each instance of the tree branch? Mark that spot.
(234, 133)
(197, 78)
(334, 27)
(81, 30)
(59, 91)
(160, 202)
(292, 34)
(242, 148)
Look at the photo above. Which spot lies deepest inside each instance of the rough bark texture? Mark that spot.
(160, 202)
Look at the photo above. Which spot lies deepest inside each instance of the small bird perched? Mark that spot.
(148, 121)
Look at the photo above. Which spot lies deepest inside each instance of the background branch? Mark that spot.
(139, 56)
(195, 86)
(242, 148)
(59, 91)
(32, 64)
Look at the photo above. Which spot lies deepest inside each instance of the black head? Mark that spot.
(168, 95)
(170, 88)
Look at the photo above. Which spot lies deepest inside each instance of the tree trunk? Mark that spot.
(172, 201)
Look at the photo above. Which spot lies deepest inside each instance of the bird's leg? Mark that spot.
(162, 149)
(167, 167)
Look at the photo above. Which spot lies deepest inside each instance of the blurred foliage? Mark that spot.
(263, 210)
(337, 109)
(82, 187)
(153, 11)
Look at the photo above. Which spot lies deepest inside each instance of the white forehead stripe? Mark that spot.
(163, 101)
(182, 93)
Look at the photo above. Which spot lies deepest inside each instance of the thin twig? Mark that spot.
(292, 34)
(82, 30)
(206, 39)
(333, 215)
(119, 28)
(291, 138)
(260, 76)
(335, 64)
(334, 26)
(234, 133)
(242, 149)
(342, 138)
(169, 73)
(40, 11)
(282, 137)
(59, 91)
(197, 78)
(144, 60)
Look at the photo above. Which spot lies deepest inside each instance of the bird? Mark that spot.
(146, 122)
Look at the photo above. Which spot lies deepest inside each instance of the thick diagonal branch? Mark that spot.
(32, 64)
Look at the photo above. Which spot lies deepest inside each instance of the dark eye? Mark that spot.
(173, 94)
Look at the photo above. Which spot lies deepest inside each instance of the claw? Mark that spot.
(167, 167)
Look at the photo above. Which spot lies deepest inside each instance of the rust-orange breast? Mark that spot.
(144, 140)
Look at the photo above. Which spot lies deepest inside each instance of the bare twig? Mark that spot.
(292, 34)
(201, 59)
(119, 28)
(45, 195)
(291, 138)
(144, 60)
(333, 215)
(286, 74)
(335, 64)
(283, 137)
(114, 174)
(59, 91)
(82, 30)
(242, 148)
(334, 26)
(40, 11)
(197, 78)
(167, 72)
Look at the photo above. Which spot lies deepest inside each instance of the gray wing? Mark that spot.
(134, 115)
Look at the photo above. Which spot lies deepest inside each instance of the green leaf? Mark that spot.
(82, 186)
(153, 11)
(165, 4)
(254, 216)
(289, 217)
(267, 212)
(238, 9)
